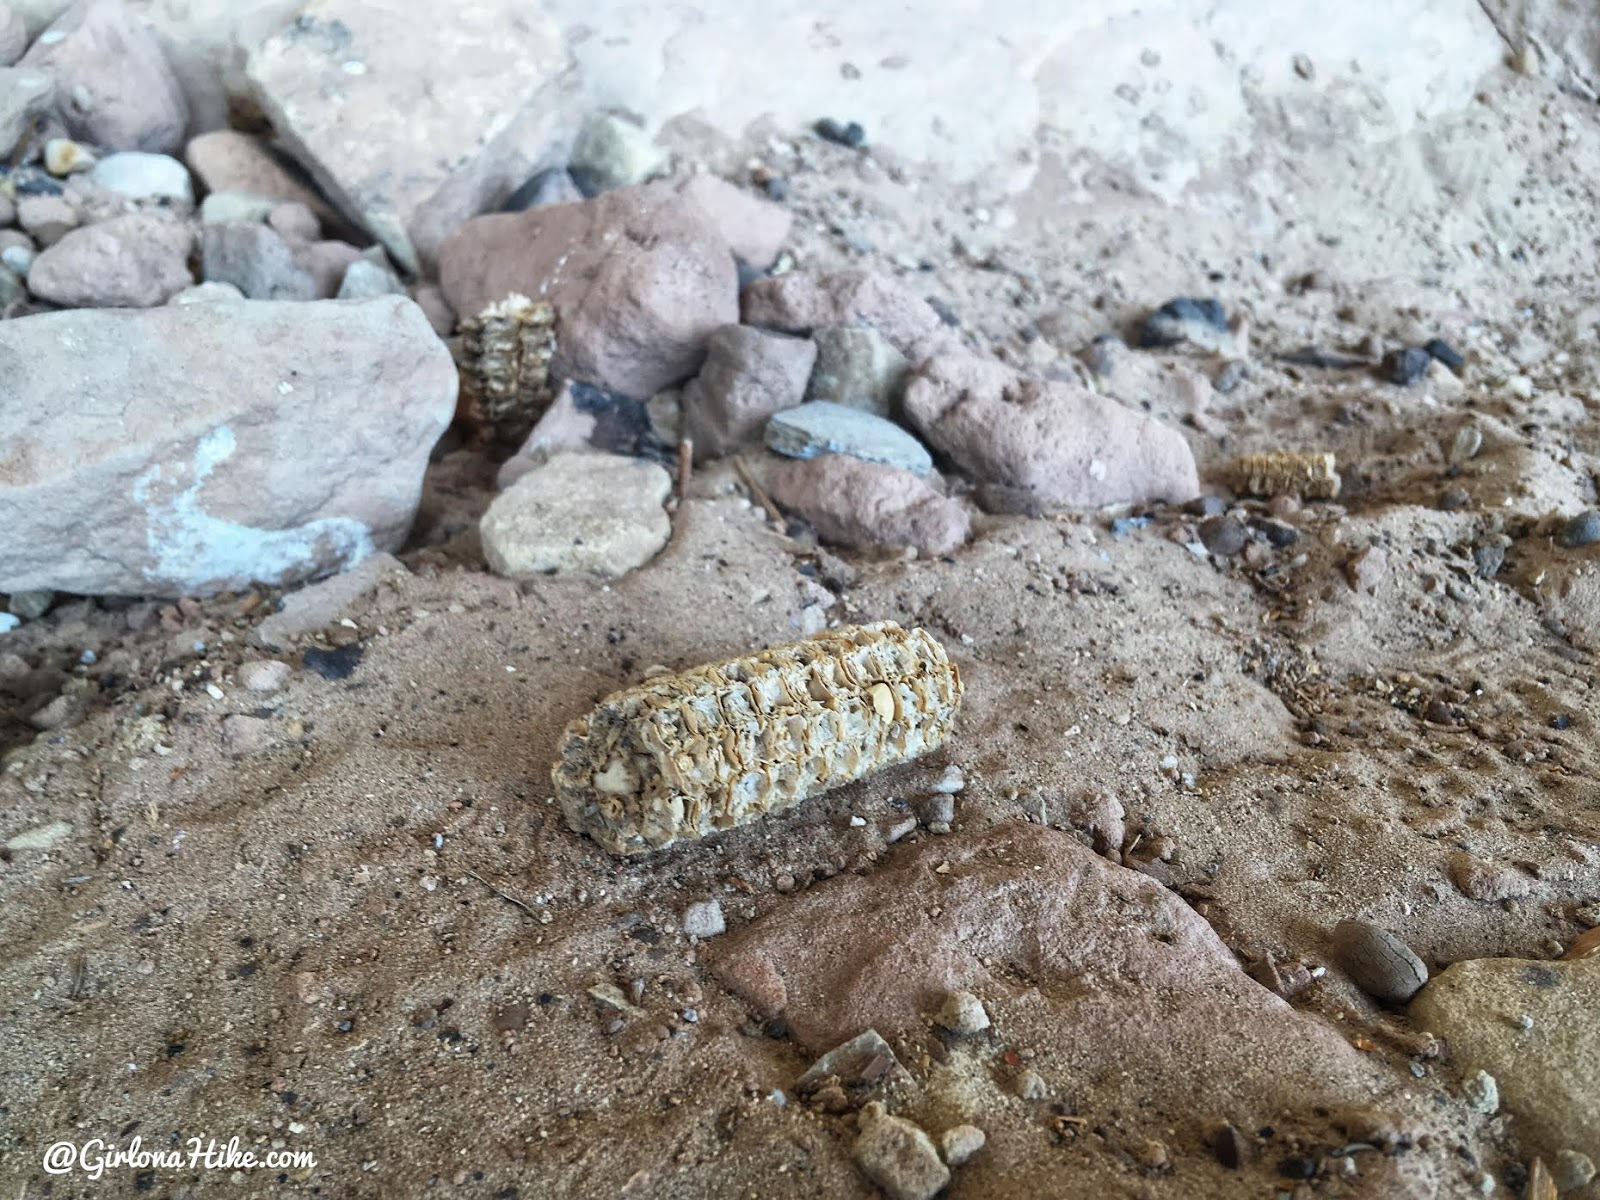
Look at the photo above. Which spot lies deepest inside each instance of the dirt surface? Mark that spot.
(354, 923)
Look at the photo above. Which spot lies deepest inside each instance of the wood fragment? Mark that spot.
(503, 894)
(685, 467)
(758, 492)
(1541, 1186)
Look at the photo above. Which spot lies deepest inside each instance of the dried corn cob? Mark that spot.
(1310, 476)
(505, 362)
(683, 756)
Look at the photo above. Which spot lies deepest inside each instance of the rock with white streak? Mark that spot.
(133, 261)
(578, 514)
(118, 90)
(185, 450)
(1056, 443)
(352, 87)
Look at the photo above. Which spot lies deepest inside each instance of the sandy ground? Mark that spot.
(365, 931)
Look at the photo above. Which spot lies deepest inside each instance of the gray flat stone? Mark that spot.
(821, 427)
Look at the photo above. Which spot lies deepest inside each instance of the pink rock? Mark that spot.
(185, 450)
(294, 221)
(1367, 569)
(749, 374)
(326, 263)
(134, 261)
(47, 218)
(112, 58)
(443, 122)
(753, 228)
(226, 160)
(639, 278)
(1056, 442)
(854, 503)
(1105, 974)
(802, 301)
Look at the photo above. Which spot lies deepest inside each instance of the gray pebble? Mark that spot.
(1582, 530)
(30, 606)
(704, 919)
(938, 808)
(1223, 536)
(1378, 962)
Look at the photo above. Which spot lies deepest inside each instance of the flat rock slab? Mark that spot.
(352, 88)
(199, 448)
(578, 513)
(822, 427)
(1546, 1072)
(1059, 444)
(1107, 974)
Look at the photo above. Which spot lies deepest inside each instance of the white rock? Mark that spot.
(594, 514)
(704, 919)
(363, 279)
(963, 1013)
(142, 176)
(40, 837)
(236, 206)
(960, 1143)
(613, 152)
(264, 675)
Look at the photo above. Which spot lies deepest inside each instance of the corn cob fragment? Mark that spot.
(1310, 476)
(505, 363)
(686, 755)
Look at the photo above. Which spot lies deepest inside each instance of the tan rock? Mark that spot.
(854, 503)
(226, 160)
(1480, 879)
(353, 88)
(1055, 442)
(639, 279)
(898, 1156)
(1530, 1025)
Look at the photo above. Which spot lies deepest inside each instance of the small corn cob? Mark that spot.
(505, 362)
(1308, 475)
(686, 755)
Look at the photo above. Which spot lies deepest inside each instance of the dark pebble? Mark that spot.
(335, 664)
(1454, 499)
(1561, 721)
(1440, 713)
(1279, 533)
(843, 134)
(1446, 353)
(1231, 1149)
(1206, 506)
(946, 314)
(1405, 367)
(1122, 527)
(621, 423)
(1582, 530)
(1164, 326)
(777, 189)
(1223, 536)
(1488, 559)
(589, 183)
(1297, 1167)
(38, 185)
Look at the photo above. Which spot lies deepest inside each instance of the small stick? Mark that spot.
(504, 895)
(755, 490)
(685, 467)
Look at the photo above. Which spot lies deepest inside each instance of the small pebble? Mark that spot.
(1206, 506)
(1222, 536)
(939, 808)
(30, 606)
(63, 156)
(1441, 350)
(1378, 962)
(1230, 1147)
(1405, 367)
(844, 134)
(1482, 1092)
(1571, 1170)
(1030, 1085)
(1455, 499)
(962, 1013)
(951, 781)
(1185, 319)
(1468, 441)
(263, 675)
(1582, 530)
(960, 1142)
(704, 919)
